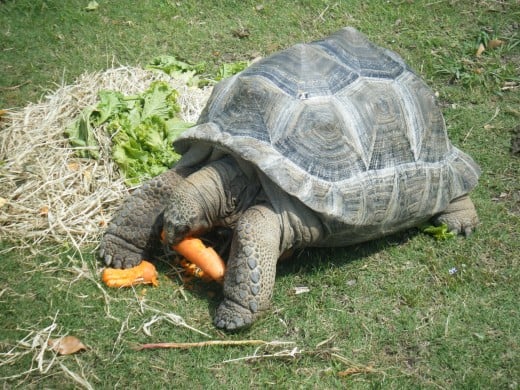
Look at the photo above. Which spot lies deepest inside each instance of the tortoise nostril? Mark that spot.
(181, 230)
(178, 233)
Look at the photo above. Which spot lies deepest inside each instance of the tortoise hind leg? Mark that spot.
(460, 216)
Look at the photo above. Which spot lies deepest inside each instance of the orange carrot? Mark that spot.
(194, 250)
(144, 273)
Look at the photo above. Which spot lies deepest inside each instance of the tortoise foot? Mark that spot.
(232, 316)
(118, 253)
(460, 216)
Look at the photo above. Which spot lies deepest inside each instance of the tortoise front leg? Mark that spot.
(251, 270)
(135, 228)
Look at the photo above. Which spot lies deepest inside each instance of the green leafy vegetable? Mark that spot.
(160, 101)
(438, 232)
(109, 103)
(171, 65)
(81, 136)
(92, 6)
(142, 127)
(228, 70)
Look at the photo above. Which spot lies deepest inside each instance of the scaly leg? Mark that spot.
(135, 228)
(251, 270)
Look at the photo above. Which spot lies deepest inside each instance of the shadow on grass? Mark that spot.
(312, 260)
(308, 261)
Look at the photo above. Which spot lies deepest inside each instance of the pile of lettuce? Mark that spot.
(142, 127)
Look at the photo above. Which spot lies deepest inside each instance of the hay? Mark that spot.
(47, 194)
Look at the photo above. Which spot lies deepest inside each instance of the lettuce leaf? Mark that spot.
(142, 127)
(143, 134)
(160, 100)
(440, 232)
(81, 137)
(229, 69)
(110, 103)
(171, 65)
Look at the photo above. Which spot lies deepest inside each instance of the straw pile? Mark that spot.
(47, 194)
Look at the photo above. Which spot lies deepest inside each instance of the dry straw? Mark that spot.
(47, 194)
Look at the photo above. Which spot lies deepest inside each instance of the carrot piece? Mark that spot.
(144, 273)
(194, 250)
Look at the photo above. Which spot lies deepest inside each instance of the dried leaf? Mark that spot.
(67, 345)
(241, 33)
(3, 201)
(356, 370)
(494, 43)
(480, 50)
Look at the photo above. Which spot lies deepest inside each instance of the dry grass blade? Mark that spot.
(172, 318)
(77, 378)
(48, 194)
(353, 368)
(285, 353)
(356, 370)
(35, 343)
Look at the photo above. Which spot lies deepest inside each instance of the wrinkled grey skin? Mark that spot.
(286, 169)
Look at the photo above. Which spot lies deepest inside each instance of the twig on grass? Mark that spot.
(209, 343)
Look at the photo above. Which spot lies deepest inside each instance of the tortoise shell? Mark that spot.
(340, 124)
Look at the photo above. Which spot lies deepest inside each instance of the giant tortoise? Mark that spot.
(329, 143)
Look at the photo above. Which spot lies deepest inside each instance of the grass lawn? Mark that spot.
(402, 312)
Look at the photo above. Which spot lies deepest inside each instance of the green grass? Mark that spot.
(391, 305)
